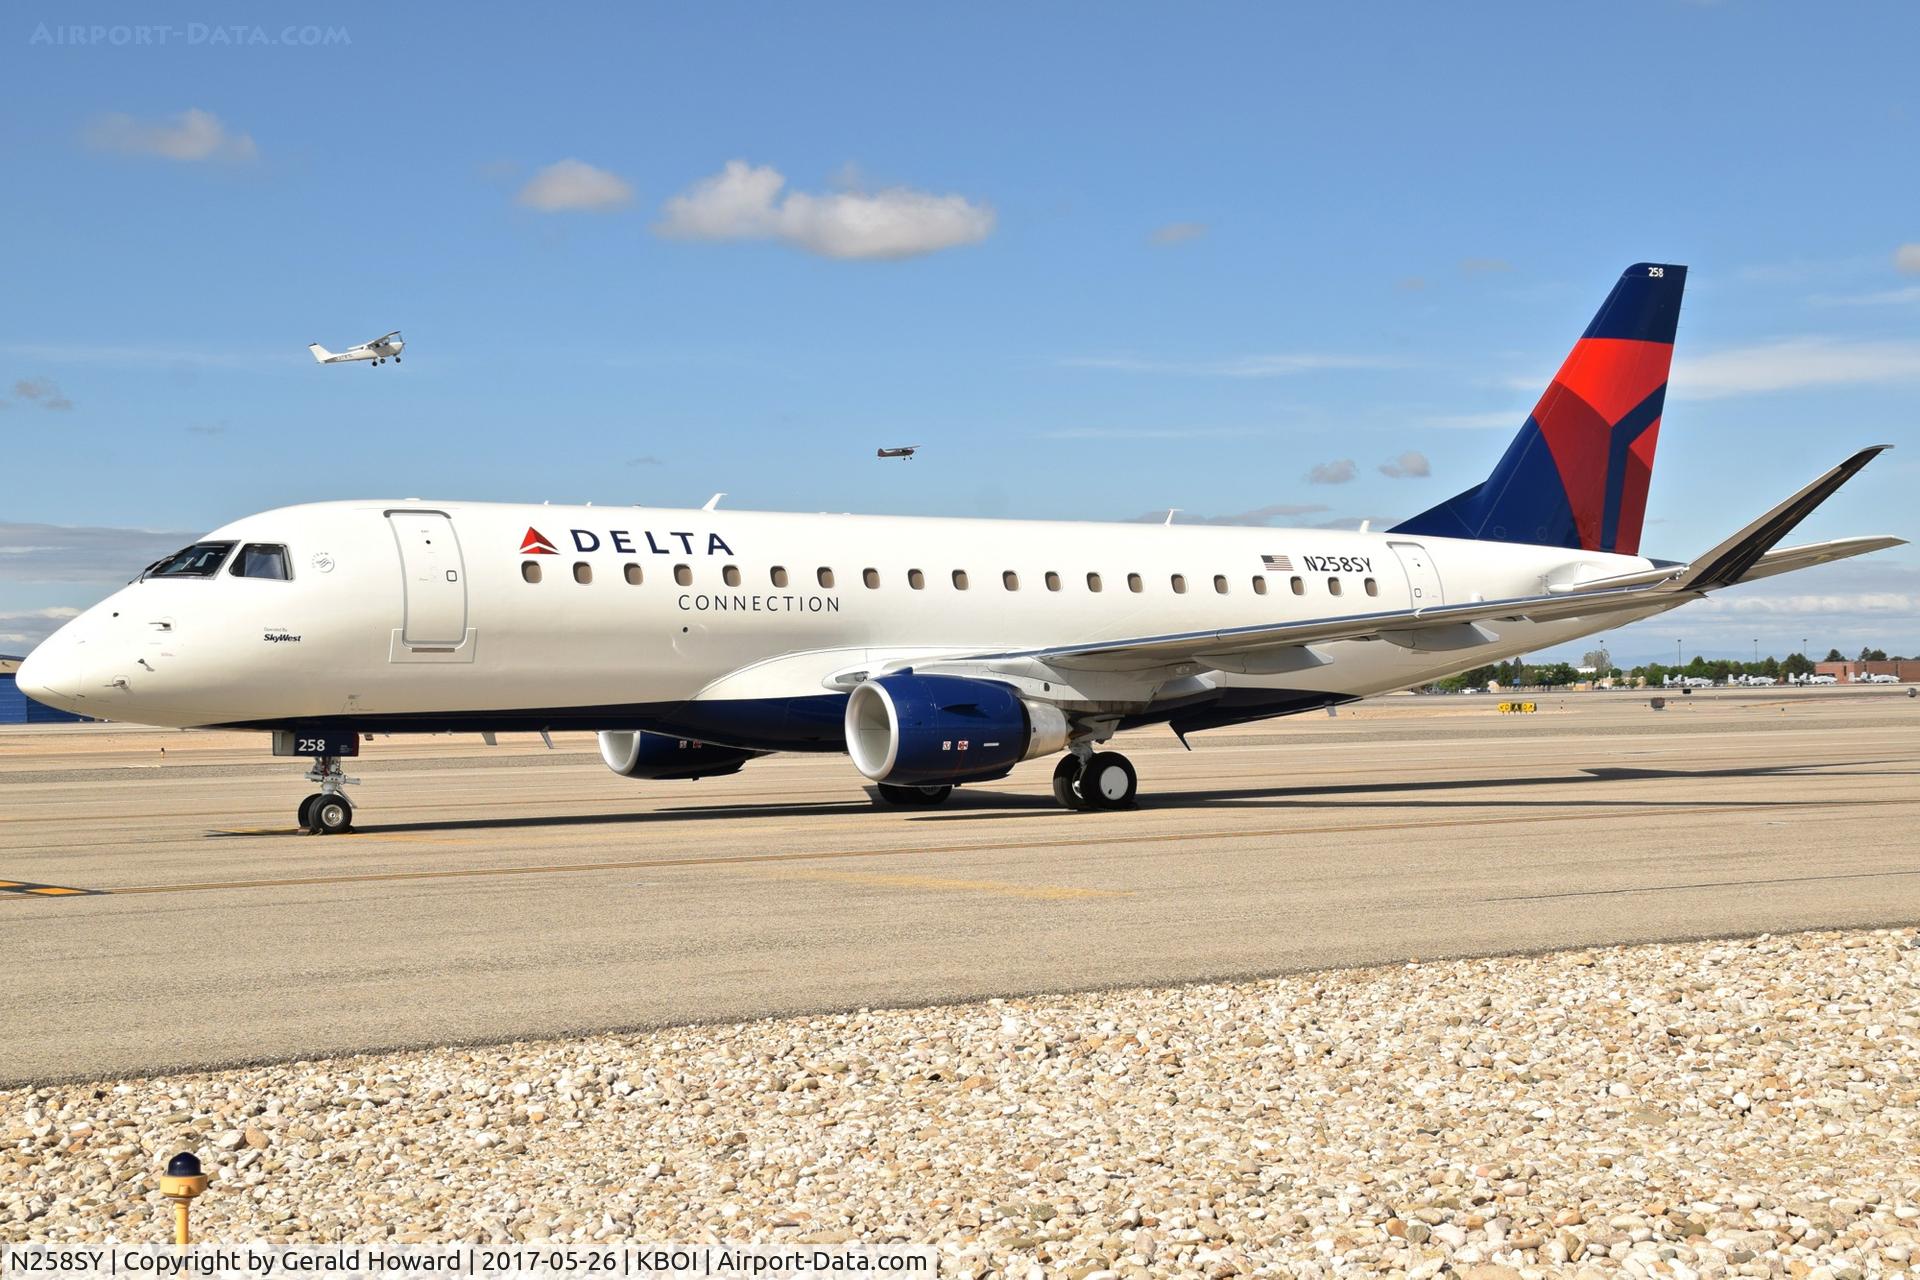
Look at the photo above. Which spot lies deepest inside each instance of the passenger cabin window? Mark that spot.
(201, 560)
(1299, 586)
(1179, 584)
(731, 575)
(261, 560)
(683, 575)
(1220, 583)
(1373, 588)
(824, 577)
(1134, 583)
(1010, 580)
(530, 570)
(1259, 584)
(959, 579)
(634, 576)
(582, 572)
(916, 579)
(871, 577)
(1053, 580)
(1093, 582)
(778, 575)
(1333, 586)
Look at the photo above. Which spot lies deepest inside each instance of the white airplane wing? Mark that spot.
(1266, 646)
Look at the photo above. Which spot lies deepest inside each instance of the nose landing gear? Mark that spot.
(327, 812)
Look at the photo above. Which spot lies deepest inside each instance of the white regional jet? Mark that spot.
(934, 652)
(387, 346)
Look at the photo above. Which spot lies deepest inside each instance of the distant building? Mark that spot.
(17, 708)
(1901, 669)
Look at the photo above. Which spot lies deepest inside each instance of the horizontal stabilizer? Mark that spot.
(1731, 561)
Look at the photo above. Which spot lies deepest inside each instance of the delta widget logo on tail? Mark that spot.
(536, 544)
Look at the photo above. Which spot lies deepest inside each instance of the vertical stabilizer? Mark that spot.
(1577, 474)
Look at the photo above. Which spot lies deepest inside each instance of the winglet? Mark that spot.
(1727, 563)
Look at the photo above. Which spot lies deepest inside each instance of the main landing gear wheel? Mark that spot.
(1066, 783)
(1108, 782)
(329, 815)
(914, 797)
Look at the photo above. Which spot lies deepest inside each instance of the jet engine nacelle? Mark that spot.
(930, 730)
(635, 753)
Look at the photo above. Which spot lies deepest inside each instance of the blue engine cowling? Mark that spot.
(928, 730)
(635, 753)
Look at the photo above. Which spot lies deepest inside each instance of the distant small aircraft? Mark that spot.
(899, 451)
(385, 347)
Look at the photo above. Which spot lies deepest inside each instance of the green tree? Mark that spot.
(1873, 655)
(1599, 659)
(1834, 655)
(1771, 667)
(1796, 664)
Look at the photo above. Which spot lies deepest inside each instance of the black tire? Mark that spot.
(1066, 783)
(306, 811)
(1108, 782)
(330, 816)
(913, 797)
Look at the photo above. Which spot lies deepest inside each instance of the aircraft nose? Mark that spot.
(51, 675)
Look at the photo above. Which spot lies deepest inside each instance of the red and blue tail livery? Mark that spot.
(1577, 474)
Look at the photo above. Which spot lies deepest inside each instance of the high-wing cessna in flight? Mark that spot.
(383, 348)
(905, 451)
(934, 652)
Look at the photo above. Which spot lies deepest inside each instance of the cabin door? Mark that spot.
(1422, 577)
(434, 576)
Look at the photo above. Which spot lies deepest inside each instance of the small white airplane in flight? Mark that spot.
(933, 652)
(385, 347)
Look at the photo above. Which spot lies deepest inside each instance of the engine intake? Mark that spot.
(922, 730)
(635, 753)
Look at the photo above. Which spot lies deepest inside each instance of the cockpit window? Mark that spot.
(261, 560)
(201, 560)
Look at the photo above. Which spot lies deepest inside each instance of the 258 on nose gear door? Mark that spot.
(434, 576)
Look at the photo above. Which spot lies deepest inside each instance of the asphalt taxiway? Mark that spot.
(158, 911)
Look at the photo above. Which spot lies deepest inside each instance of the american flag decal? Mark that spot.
(1277, 564)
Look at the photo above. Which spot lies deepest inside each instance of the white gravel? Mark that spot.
(1720, 1108)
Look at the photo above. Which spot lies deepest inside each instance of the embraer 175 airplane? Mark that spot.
(934, 652)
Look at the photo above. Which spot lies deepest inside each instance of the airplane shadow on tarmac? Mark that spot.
(986, 806)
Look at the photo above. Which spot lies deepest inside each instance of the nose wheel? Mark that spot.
(327, 812)
(1105, 780)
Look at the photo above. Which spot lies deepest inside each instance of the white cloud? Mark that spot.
(1178, 232)
(1258, 516)
(1907, 259)
(1509, 418)
(1881, 297)
(1793, 363)
(1339, 471)
(70, 554)
(1259, 366)
(1412, 463)
(574, 186)
(21, 630)
(1148, 433)
(745, 202)
(193, 135)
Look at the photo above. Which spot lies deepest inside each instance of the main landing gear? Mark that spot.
(327, 812)
(1098, 780)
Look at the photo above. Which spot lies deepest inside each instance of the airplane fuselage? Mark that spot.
(739, 627)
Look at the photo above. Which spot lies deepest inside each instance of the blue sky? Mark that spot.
(1098, 259)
